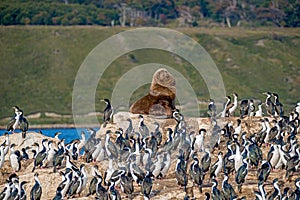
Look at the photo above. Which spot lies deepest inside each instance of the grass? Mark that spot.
(39, 64)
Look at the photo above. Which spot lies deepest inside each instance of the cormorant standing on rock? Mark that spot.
(36, 191)
(107, 113)
(18, 120)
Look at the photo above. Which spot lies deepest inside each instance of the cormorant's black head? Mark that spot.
(202, 130)
(44, 140)
(194, 156)
(275, 180)
(82, 166)
(207, 195)
(59, 189)
(16, 108)
(13, 176)
(214, 182)
(106, 101)
(24, 182)
(57, 133)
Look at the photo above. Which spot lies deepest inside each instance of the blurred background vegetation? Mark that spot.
(175, 13)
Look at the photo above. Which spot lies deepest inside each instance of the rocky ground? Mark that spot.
(165, 188)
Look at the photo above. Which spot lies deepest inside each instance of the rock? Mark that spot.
(161, 98)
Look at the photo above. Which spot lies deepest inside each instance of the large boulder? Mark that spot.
(160, 101)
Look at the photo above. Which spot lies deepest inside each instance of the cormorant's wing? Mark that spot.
(10, 124)
(24, 124)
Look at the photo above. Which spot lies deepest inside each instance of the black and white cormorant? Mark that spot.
(254, 152)
(137, 174)
(278, 104)
(36, 190)
(292, 164)
(241, 175)
(168, 145)
(244, 108)
(98, 153)
(259, 112)
(238, 158)
(157, 134)
(276, 194)
(230, 109)
(261, 193)
(217, 166)
(94, 180)
(108, 112)
(22, 192)
(18, 120)
(167, 164)
(198, 143)
(129, 130)
(69, 164)
(228, 164)
(270, 106)
(264, 171)
(101, 192)
(127, 185)
(157, 166)
(215, 192)
(251, 108)
(143, 129)
(212, 109)
(41, 156)
(228, 191)
(15, 158)
(110, 147)
(196, 173)
(74, 185)
(206, 161)
(181, 171)
(147, 185)
(224, 112)
(113, 192)
(56, 135)
(25, 155)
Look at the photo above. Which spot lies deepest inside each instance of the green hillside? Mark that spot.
(38, 65)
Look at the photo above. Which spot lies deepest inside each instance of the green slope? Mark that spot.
(38, 65)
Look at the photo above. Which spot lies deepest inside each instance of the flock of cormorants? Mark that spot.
(142, 156)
